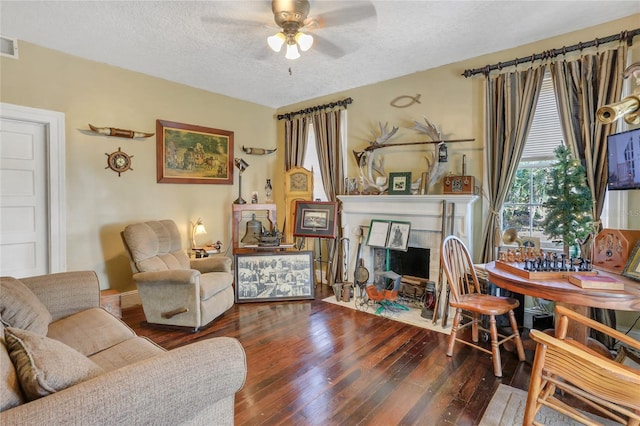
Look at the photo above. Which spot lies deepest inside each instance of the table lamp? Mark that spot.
(242, 166)
(197, 228)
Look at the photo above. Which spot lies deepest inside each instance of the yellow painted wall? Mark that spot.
(99, 203)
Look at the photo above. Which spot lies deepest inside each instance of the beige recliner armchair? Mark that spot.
(174, 289)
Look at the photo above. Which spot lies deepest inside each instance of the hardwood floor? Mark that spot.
(315, 363)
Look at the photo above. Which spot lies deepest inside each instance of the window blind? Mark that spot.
(546, 132)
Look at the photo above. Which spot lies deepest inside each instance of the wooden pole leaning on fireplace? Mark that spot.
(443, 227)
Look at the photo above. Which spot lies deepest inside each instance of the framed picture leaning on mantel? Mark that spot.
(388, 234)
(193, 154)
(400, 183)
(274, 276)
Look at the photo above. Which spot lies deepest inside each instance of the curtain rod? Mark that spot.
(290, 115)
(552, 53)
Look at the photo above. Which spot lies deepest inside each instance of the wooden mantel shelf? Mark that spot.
(410, 203)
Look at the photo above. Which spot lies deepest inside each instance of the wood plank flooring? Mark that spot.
(315, 363)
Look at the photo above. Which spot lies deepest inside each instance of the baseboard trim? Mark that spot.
(129, 299)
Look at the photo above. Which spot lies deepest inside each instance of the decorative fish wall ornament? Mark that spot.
(121, 133)
(258, 151)
(405, 101)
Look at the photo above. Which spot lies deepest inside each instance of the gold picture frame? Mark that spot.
(632, 269)
(193, 154)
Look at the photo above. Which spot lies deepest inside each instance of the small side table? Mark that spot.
(110, 301)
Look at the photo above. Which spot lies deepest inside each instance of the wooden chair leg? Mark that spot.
(475, 335)
(454, 331)
(516, 332)
(495, 348)
(532, 405)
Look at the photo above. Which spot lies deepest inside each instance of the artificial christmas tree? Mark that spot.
(568, 207)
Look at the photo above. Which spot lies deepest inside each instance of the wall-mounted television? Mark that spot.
(623, 155)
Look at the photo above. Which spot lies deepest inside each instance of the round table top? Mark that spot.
(561, 290)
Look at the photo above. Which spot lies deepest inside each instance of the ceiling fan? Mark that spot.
(292, 16)
(338, 27)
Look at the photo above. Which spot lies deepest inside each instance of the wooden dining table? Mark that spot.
(561, 291)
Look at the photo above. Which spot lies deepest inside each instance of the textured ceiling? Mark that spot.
(220, 46)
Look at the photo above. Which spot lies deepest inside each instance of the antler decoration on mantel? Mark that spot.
(371, 167)
(434, 167)
(122, 133)
(367, 162)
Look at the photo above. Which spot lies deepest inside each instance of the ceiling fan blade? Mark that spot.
(360, 11)
(324, 46)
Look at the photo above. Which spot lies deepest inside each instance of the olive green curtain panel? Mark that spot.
(582, 86)
(296, 131)
(511, 100)
(329, 147)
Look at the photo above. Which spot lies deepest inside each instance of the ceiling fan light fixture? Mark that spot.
(276, 41)
(292, 52)
(305, 41)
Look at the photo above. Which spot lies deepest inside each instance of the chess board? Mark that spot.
(517, 268)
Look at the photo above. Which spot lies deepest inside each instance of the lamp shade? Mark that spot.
(197, 228)
(276, 41)
(305, 41)
(241, 164)
(292, 52)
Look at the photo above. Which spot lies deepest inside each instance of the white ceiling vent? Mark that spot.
(9, 47)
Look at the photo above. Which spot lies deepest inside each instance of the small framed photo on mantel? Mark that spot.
(400, 183)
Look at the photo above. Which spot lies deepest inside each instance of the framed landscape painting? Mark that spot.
(193, 154)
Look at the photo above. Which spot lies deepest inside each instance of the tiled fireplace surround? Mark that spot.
(423, 211)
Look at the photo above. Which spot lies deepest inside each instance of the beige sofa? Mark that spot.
(64, 360)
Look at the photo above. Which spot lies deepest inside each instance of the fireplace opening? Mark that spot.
(411, 264)
(413, 267)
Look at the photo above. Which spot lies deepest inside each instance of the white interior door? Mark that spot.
(32, 240)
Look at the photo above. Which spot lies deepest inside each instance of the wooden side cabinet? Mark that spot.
(110, 301)
(242, 213)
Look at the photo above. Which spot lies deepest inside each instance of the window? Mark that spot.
(311, 162)
(523, 209)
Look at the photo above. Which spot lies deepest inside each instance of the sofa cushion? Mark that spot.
(20, 308)
(44, 365)
(90, 331)
(125, 353)
(10, 392)
(213, 283)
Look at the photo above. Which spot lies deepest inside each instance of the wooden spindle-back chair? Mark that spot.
(468, 300)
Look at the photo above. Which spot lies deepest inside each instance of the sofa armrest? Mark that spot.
(212, 264)
(192, 384)
(169, 276)
(66, 293)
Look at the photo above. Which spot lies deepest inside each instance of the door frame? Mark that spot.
(54, 124)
